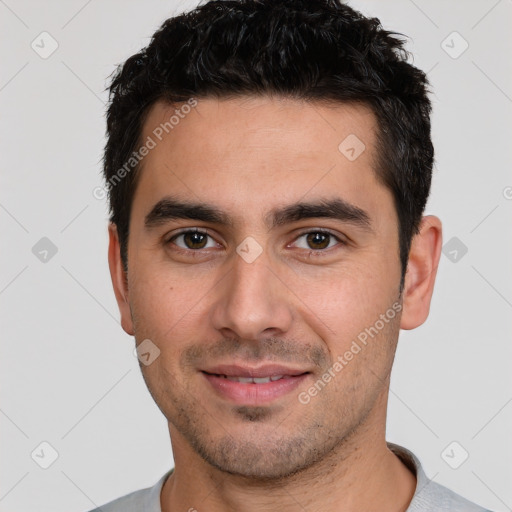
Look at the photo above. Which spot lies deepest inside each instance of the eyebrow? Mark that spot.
(170, 208)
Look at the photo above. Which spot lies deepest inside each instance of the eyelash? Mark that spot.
(310, 252)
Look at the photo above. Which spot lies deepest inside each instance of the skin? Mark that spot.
(295, 304)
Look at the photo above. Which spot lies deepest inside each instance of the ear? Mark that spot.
(421, 272)
(119, 279)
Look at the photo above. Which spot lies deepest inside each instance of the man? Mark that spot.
(268, 166)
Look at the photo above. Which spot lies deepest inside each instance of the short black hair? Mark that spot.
(313, 50)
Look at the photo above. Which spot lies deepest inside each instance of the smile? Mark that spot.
(255, 380)
(253, 386)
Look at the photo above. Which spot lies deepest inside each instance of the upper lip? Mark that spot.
(267, 370)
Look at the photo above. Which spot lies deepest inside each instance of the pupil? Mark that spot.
(321, 240)
(195, 240)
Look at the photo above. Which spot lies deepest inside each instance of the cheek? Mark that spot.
(344, 309)
(363, 350)
(168, 307)
(158, 301)
(350, 297)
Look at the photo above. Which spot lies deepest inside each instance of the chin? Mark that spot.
(263, 458)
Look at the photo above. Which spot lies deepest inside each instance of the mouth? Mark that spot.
(254, 380)
(244, 385)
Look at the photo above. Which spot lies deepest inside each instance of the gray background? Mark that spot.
(69, 376)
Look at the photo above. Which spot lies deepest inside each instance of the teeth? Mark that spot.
(254, 380)
(261, 380)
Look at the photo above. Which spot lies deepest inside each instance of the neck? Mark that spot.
(361, 474)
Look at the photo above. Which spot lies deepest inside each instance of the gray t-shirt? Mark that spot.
(428, 497)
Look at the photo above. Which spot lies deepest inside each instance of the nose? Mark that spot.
(253, 301)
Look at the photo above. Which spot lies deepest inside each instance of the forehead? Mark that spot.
(250, 152)
(308, 127)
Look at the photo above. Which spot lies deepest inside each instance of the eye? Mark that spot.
(193, 240)
(317, 240)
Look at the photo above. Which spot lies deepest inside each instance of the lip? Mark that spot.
(235, 370)
(242, 393)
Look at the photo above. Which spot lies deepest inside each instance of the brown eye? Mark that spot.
(195, 240)
(318, 240)
(192, 240)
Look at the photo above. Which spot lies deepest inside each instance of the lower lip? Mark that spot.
(251, 393)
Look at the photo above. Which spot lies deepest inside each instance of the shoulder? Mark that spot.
(144, 499)
(429, 495)
(130, 503)
(433, 496)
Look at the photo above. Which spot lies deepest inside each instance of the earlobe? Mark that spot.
(119, 279)
(421, 272)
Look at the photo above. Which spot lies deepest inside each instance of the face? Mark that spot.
(263, 264)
